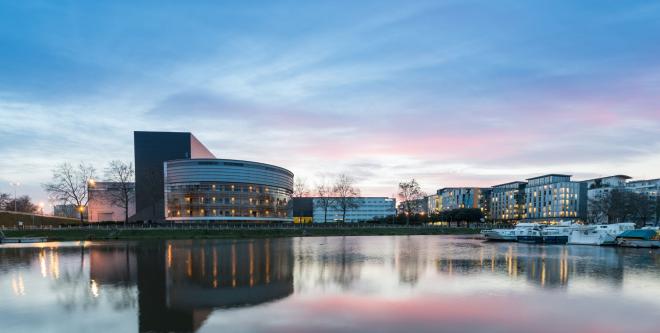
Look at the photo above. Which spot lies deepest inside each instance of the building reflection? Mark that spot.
(544, 266)
(175, 285)
(180, 283)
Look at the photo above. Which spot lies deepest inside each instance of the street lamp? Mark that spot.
(15, 185)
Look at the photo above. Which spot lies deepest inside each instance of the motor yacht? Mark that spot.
(499, 235)
(558, 234)
(528, 233)
(599, 234)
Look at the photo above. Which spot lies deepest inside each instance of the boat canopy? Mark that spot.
(638, 234)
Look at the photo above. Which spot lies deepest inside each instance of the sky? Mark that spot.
(451, 93)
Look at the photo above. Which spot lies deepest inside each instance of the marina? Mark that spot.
(616, 234)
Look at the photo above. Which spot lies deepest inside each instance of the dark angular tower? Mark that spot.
(152, 149)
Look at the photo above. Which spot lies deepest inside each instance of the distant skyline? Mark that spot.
(451, 93)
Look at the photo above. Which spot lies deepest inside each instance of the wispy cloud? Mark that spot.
(449, 92)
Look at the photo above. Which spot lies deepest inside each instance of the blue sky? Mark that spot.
(448, 92)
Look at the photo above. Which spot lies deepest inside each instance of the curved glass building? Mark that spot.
(227, 191)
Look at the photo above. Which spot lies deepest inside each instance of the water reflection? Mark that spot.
(324, 284)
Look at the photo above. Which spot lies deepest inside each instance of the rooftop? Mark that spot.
(549, 175)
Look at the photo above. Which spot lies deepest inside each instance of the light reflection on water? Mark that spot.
(329, 284)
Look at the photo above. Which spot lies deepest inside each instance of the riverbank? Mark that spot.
(77, 234)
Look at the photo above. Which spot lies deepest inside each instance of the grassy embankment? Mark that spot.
(10, 220)
(134, 234)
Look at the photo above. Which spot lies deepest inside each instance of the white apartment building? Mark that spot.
(368, 208)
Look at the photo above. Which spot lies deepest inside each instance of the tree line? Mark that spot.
(21, 204)
(341, 195)
(623, 206)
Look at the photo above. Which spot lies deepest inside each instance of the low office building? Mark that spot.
(103, 206)
(555, 198)
(68, 210)
(507, 203)
(312, 209)
(227, 191)
(417, 206)
(303, 209)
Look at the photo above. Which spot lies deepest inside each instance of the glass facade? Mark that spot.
(231, 200)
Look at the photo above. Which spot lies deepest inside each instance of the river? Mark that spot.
(328, 284)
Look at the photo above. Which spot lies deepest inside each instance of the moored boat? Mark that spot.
(15, 240)
(599, 234)
(6, 240)
(499, 235)
(647, 238)
(528, 233)
(557, 234)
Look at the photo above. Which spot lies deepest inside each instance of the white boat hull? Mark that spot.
(23, 240)
(597, 239)
(498, 236)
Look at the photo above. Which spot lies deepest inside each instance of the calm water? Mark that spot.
(333, 284)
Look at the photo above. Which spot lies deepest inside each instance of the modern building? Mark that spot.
(433, 204)
(554, 198)
(303, 210)
(464, 197)
(507, 203)
(179, 180)
(227, 190)
(102, 205)
(367, 209)
(417, 206)
(152, 149)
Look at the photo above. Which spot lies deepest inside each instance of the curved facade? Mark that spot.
(227, 190)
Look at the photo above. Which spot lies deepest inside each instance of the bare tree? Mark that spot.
(618, 208)
(300, 189)
(598, 209)
(69, 185)
(641, 208)
(22, 204)
(123, 175)
(411, 197)
(346, 195)
(657, 209)
(324, 199)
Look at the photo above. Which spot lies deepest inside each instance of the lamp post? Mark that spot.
(15, 185)
(91, 184)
